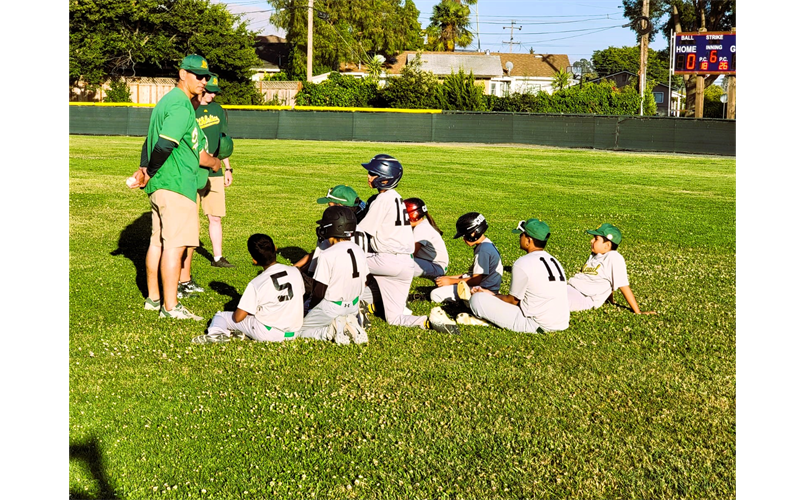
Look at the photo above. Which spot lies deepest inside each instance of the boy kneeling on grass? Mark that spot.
(338, 281)
(602, 274)
(271, 308)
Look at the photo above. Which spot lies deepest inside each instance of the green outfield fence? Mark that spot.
(617, 133)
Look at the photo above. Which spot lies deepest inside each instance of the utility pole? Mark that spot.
(309, 40)
(643, 58)
(699, 112)
(477, 28)
(511, 38)
(731, 93)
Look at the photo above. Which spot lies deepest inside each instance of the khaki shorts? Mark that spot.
(174, 220)
(213, 201)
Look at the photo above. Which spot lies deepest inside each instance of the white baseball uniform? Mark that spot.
(358, 237)
(392, 267)
(431, 259)
(274, 301)
(539, 283)
(601, 275)
(342, 267)
(487, 261)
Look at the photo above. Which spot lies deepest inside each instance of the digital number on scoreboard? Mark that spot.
(711, 53)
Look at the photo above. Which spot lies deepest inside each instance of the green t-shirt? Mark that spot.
(212, 119)
(174, 119)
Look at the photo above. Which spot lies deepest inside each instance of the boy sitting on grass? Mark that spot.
(271, 309)
(602, 274)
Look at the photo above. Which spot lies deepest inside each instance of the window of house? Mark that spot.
(658, 97)
(493, 88)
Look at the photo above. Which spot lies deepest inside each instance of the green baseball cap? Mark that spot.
(608, 231)
(212, 84)
(225, 147)
(196, 64)
(343, 195)
(534, 228)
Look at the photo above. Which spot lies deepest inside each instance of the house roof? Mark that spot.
(492, 64)
(272, 50)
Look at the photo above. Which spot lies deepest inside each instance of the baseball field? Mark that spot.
(616, 406)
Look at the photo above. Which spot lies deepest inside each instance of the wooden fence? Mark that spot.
(150, 90)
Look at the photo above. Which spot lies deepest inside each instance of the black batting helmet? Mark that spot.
(388, 170)
(337, 222)
(416, 208)
(471, 226)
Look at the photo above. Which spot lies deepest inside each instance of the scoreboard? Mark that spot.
(704, 53)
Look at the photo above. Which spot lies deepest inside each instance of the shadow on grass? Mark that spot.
(293, 254)
(133, 244)
(89, 454)
(222, 288)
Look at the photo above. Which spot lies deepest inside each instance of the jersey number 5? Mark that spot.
(551, 277)
(280, 287)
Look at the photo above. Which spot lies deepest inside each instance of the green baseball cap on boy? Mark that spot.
(343, 195)
(196, 64)
(608, 231)
(212, 84)
(534, 228)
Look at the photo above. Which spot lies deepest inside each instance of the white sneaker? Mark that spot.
(211, 338)
(463, 290)
(441, 323)
(178, 312)
(470, 320)
(336, 331)
(152, 305)
(355, 330)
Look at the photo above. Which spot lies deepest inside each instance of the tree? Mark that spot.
(560, 80)
(347, 31)
(413, 89)
(114, 38)
(450, 25)
(584, 69)
(686, 16)
(613, 60)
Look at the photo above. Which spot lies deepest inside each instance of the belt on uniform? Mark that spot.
(341, 302)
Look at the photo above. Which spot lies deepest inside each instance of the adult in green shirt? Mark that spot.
(175, 148)
(213, 120)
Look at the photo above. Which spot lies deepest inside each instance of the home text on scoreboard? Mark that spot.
(704, 53)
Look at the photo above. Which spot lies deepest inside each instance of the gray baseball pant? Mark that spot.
(317, 321)
(489, 307)
(393, 274)
(222, 322)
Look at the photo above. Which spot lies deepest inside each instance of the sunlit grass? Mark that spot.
(616, 406)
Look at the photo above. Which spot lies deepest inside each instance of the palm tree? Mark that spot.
(450, 25)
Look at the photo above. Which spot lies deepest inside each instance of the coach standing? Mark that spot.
(213, 120)
(175, 148)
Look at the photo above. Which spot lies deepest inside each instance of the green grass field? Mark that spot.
(616, 406)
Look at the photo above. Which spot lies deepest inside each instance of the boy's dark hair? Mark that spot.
(540, 243)
(262, 249)
(614, 245)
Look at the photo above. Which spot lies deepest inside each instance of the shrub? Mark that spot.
(338, 90)
(459, 91)
(118, 91)
(413, 89)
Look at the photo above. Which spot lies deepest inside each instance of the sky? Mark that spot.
(572, 27)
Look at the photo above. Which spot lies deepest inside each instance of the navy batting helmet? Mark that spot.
(471, 226)
(388, 170)
(337, 222)
(416, 208)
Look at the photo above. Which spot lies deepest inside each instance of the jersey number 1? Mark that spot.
(402, 214)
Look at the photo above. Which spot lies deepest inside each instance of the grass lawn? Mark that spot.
(616, 406)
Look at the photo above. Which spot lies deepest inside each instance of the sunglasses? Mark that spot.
(205, 78)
